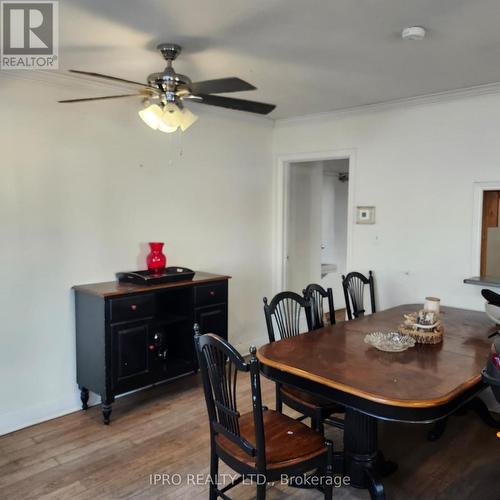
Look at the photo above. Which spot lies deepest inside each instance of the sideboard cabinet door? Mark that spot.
(130, 351)
(212, 319)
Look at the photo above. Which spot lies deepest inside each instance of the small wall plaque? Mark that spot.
(365, 215)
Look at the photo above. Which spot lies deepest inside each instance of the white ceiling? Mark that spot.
(306, 56)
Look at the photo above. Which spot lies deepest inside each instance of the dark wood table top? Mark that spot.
(420, 377)
(114, 288)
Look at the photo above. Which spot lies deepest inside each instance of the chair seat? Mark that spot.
(310, 400)
(288, 441)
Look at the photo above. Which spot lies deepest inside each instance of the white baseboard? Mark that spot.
(27, 416)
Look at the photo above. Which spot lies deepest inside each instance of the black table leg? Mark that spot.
(437, 430)
(364, 464)
(479, 406)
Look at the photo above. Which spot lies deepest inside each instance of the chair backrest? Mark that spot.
(316, 293)
(354, 287)
(286, 308)
(220, 364)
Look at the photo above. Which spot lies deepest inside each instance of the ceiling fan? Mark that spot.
(164, 94)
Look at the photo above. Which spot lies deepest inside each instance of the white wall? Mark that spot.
(334, 222)
(328, 219)
(417, 165)
(303, 225)
(83, 188)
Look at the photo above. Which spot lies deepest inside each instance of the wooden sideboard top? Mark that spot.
(114, 288)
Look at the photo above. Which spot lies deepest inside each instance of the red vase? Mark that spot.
(156, 261)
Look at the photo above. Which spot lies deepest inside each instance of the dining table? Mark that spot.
(426, 383)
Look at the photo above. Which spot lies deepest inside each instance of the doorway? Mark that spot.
(316, 225)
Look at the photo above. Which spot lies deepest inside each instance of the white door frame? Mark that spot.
(281, 177)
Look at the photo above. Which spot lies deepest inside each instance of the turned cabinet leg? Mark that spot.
(84, 396)
(106, 411)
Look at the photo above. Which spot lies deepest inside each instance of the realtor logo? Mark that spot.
(29, 35)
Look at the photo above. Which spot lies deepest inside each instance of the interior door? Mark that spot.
(303, 225)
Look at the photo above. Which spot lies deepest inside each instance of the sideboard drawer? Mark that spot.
(212, 293)
(131, 308)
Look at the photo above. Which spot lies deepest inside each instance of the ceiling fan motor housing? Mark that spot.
(168, 81)
(169, 51)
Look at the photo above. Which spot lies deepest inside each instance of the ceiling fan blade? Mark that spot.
(240, 104)
(99, 98)
(114, 78)
(219, 86)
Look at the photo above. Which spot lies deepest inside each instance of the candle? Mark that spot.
(432, 304)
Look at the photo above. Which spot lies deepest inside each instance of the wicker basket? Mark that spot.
(434, 336)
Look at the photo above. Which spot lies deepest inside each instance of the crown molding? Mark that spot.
(435, 98)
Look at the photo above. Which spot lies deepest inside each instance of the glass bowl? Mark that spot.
(390, 342)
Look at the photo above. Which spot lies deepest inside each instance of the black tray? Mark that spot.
(170, 275)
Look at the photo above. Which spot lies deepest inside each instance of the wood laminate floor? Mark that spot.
(163, 430)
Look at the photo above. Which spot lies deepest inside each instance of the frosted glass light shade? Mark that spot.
(171, 115)
(163, 127)
(168, 119)
(187, 119)
(151, 116)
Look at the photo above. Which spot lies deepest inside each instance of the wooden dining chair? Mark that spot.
(354, 287)
(316, 295)
(287, 309)
(262, 444)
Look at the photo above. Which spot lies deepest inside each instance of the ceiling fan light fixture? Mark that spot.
(187, 119)
(164, 127)
(152, 116)
(171, 116)
(413, 33)
(167, 118)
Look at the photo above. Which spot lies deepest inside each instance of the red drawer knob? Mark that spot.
(212, 293)
(133, 307)
(151, 347)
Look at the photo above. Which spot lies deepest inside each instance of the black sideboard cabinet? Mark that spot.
(131, 336)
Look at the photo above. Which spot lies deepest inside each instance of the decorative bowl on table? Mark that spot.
(390, 342)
